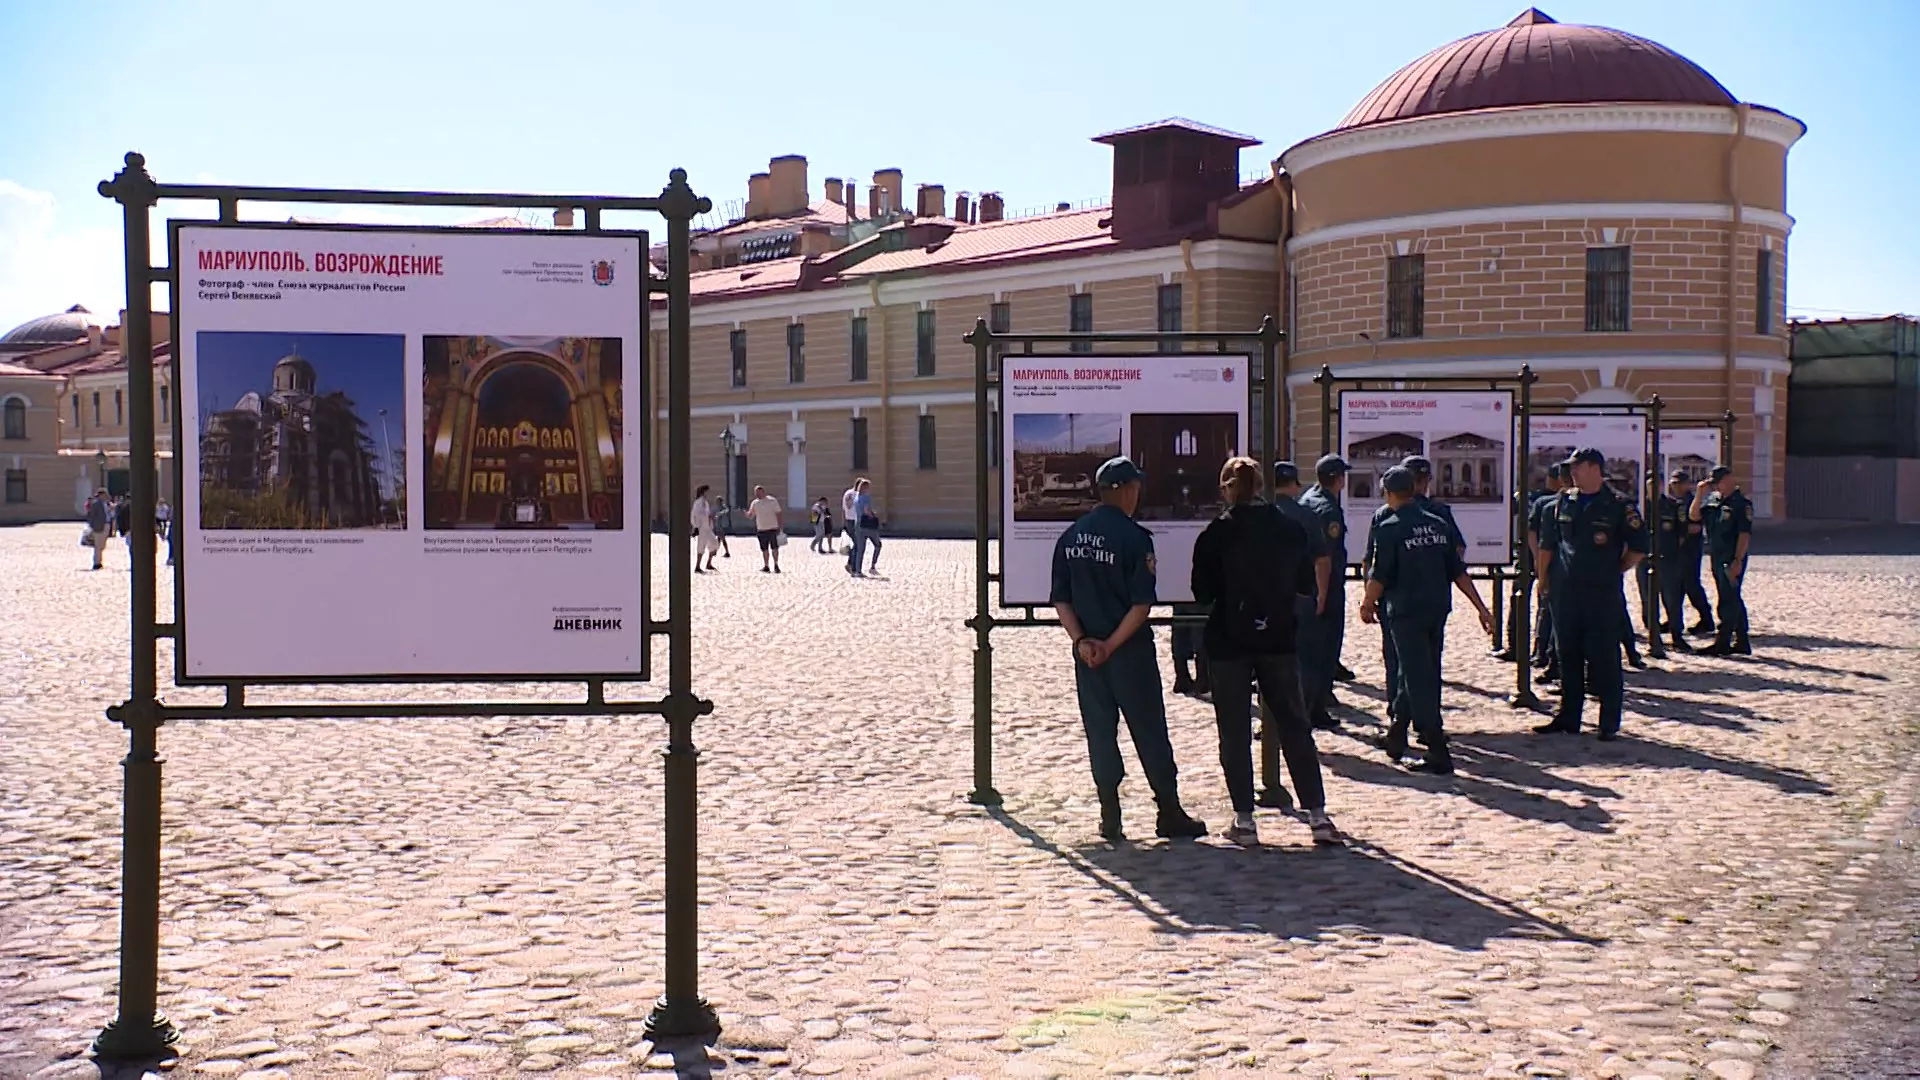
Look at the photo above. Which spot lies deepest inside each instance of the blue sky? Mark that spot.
(1049, 430)
(369, 368)
(981, 96)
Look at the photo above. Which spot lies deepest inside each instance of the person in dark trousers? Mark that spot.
(1668, 556)
(1693, 549)
(1422, 472)
(1103, 589)
(1415, 563)
(1629, 642)
(1543, 651)
(1727, 516)
(1589, 539)
(1254, 564)
(1286, 499)
(1190, 672)
(1320, 651)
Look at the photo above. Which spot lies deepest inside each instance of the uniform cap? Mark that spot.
(1587, 454)
(1331, 466)
(1719, 473)
(1397, 480)
(1417, 465)
(1286, 472)
(1679, 475)
(1117, 472)
(1556, 470)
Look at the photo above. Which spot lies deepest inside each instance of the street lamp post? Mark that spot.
(730, 446)
(389, 488)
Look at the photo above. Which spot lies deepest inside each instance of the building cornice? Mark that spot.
(1509, 367)
(1494, 215)
(1109, 265)
(1763, 124)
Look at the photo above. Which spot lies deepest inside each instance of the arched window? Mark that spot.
(16, 418)
(1185, 445)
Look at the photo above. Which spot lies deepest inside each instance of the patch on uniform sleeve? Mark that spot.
(1333, 529)
(1746, 512)
(1600, 538)
(1633, 518)
(1152, 566)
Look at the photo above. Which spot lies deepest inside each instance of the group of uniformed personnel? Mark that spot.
(1583, 539)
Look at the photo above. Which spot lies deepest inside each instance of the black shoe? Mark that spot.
(1432, 767)
(1701, 628)
(1110, 829)
(1680, 644)
(1635, 662)
(1742, 649)
(1395, 749)
(1556, 727)
(1326, 722)
(1718, 648)
(1608, 736)
(1182, 683)
(1505, 656)
(1177, 824)
(1343, 673)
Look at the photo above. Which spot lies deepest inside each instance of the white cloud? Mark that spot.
(47, 265)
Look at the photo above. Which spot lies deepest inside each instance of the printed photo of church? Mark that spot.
(301, 431)
(1182, 454)
(1371, 454)
(523, 433)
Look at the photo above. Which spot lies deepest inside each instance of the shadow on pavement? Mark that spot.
(1486, 780)
(1715, 714)
(1812, 641)
(1188, 888)
(1632, 750)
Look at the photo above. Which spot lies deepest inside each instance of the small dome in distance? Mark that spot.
(57, 329)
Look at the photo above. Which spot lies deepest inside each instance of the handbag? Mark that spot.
(780, 538)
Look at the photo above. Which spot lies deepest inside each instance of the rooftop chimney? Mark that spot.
(1166, 175)
(850, 195)
(563, 218)
(992, 207)
(788, 194)
(1062, 208)
(759, 189)
(960, 206)
(933, 201)
(890, 184)
(834, 189)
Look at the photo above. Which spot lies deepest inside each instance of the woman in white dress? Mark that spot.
(703, 531)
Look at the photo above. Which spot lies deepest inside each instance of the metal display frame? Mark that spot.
(1265, 388)
(644, 430)
(139, 1031)
(1520, 568)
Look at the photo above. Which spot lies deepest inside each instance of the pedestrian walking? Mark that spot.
(99, 513)
(1544, 655)
(1589, 539)
(765, 512)
(821, 520)
(1320, 650)
(1190, 674)
(849, 520)
(1670, 533)
(1103, 589)
(123, 521)
(163, 518)
(1727, 516)
(1416, 560)
(869, 526)
(865, 527)
(1693, 551)
(1258, 565)
(1421, 470)
(705, 542)
(1287, 490)
(722, 524)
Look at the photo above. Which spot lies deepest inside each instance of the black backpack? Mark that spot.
(1261, 567)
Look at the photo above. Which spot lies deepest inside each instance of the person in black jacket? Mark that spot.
(1252, 564)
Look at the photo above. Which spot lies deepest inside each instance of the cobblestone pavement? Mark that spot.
(482, 897)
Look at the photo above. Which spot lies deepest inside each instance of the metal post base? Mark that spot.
(683, 1019)
(1274, 798)
(149, 1041)
(984, 797)
(1528, 701)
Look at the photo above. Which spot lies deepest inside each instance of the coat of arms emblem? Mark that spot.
(603, 273)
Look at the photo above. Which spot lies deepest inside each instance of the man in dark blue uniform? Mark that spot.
(1320, 650)
(1286, 498)
(1415, 564)
(1422, 472)
(1670, 539)
(1543, 651)
(1728, 518)
(1589, 538)
(1103, 589)
(1693, 549)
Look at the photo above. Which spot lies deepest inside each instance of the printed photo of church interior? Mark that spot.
(523, 433)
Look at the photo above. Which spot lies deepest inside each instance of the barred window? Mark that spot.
(927, 457)
(1080, 320)
(1763, 292)
(16, 418)
(737, 345)
(796, 352)
(1167, 316)
(859, 438)
(1609, 288)
(858, 359)
(1406, 296)
(923, 342)
(16, 485)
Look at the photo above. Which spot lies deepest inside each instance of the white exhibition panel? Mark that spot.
(1178, 416)
(1694, 449)
(517, 547)
(1551, 437)
(1467, 434)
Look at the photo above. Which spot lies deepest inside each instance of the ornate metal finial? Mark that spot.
(131, 186)
(679, 201)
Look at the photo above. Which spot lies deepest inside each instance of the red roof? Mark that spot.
(1536, 61)
(108, 360)
(21, 371)
(1180, 123)
(969, 247)
(820, 213)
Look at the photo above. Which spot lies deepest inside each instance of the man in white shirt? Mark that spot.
(703, 533)
(765, 512)
(847, 520)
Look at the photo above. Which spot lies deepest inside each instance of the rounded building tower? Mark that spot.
(1570, 197)
(293, 375)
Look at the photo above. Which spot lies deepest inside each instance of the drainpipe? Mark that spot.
(886, 399)
(1186, 259)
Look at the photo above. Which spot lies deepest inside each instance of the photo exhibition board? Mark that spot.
(1692, 450)
(1553, 437)
(406, 453)
(1467, 434)
(1178, 416)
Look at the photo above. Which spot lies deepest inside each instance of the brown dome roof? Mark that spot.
(1536, 61)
